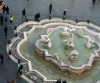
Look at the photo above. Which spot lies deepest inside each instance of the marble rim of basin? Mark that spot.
(45, 23)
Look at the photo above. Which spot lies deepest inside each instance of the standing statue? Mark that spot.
(79, 32)
(66, 32)
(90, 42)
(74, 55)
(69, 42)
(47, 42)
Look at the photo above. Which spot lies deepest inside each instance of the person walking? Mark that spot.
(64, 14)
(6, 17)
(1, 9)
(93, 1)
(20, 67)
(11, 19)
(1, 58)
(50, 8)
(4, 9)
(24, 13)
(19, 71)
(37, 17)
(1, 19)
(7, 10)
(5, 30)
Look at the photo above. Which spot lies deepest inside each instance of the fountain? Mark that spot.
(56, 48)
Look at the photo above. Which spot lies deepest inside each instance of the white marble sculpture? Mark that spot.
(74, 55)
(69, 42)
(47, 42)
(72, 30)
(90, 41)
(66, 32)
(56, 57)
(79, 32)
(43, 37)
(49, 31)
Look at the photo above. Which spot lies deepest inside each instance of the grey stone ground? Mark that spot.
(81, 9)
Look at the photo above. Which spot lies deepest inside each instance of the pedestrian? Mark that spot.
(24, 13)
(1, 9)
(64, 14)
(0, 2)
(1, 58)
(37, 17)
(50, 8)
(1, 19)
(5, 30)
(11, 19)
(19, 71)
(94, 1)
(20, 68)
(4, 9)
(6, 17)
(58, 81)
(7, 10)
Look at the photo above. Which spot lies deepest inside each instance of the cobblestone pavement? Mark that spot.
(76, 9)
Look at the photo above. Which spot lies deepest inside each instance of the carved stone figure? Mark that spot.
(74, 55)
(90, 42)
